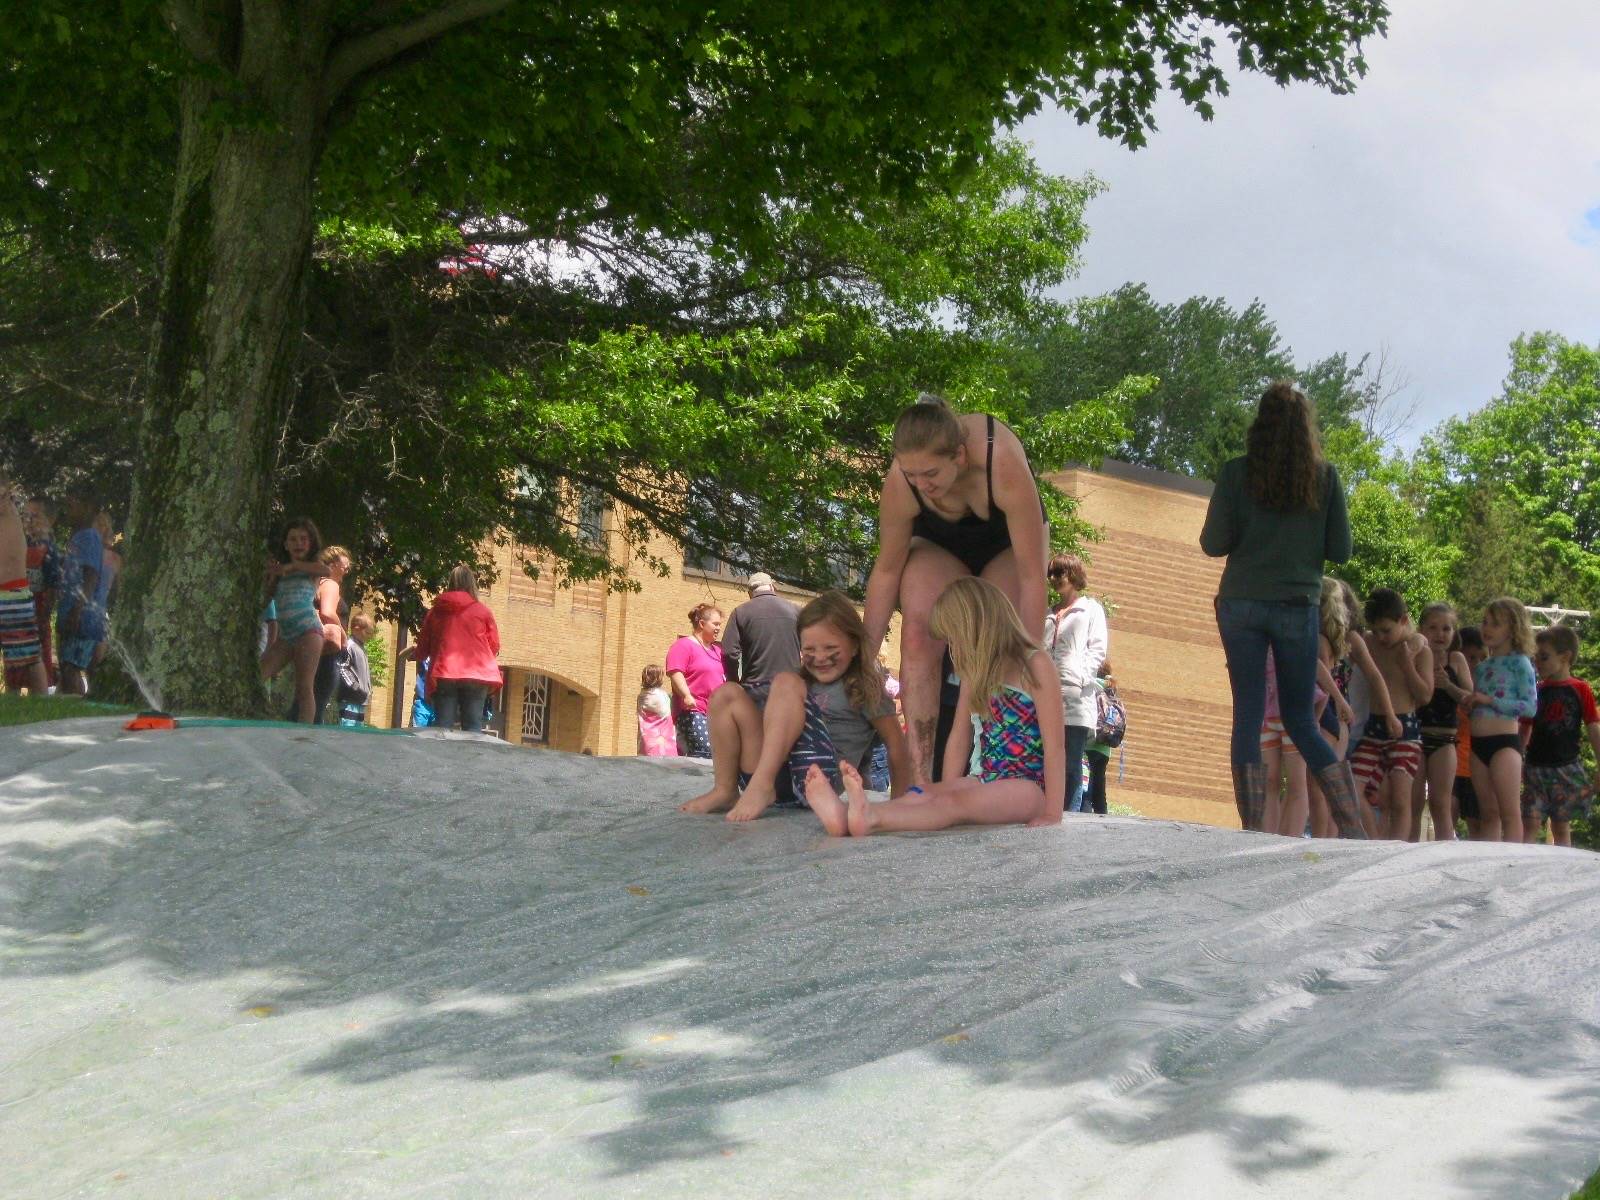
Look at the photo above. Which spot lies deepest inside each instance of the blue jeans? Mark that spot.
(1248, 627)
(461, 698)
(1077, 738)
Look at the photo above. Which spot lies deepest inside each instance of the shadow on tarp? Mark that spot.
(540, 913)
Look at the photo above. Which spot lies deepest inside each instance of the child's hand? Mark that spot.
(1478, 698)
(1346, 713)
(1392, 724)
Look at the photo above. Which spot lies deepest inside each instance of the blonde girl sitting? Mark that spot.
(1011, 688)
(766, 736)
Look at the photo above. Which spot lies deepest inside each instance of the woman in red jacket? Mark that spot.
(460, 637)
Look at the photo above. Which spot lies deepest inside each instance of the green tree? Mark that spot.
(1516, 485)
(1392, 548)
(1210, 363)
(233, 123)
(1207, 364)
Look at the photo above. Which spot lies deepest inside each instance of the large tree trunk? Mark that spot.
(222, 365)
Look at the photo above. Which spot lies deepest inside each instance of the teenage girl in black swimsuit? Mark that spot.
(960, 499)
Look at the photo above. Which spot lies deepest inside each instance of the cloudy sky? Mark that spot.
(1450, 203)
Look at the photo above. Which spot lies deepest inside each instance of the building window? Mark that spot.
(536, 710)
(591, 515)
(519, 586)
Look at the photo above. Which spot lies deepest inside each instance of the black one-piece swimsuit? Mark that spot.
(975, 540)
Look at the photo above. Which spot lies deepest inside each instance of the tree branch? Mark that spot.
(354, 57)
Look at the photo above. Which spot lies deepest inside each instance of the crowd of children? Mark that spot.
(1479, 725)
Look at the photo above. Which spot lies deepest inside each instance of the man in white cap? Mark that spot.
(760, 639)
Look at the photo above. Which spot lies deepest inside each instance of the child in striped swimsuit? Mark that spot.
(1010, 685)
(19, 622)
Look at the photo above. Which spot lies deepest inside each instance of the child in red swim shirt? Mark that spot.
(1556, 786)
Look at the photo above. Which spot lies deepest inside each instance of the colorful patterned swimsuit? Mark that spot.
(1009, 743)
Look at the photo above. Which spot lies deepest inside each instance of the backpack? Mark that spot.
(350, 689)
(1111, 718)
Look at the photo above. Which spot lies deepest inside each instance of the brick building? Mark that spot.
(572, 656)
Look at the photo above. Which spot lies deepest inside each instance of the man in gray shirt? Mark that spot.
(760, 640)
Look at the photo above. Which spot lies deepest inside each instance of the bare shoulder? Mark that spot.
(897, 499)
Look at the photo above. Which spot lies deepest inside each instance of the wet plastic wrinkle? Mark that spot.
(250, 959)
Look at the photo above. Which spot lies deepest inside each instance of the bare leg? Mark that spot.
(959, 802)
(1322, 825)
(1272, 760)
(275, 658)
(307, 654)
(825, 802)
(1419, 788)
(1296, 803)
(1560, 833)
(1371, 819)
(1488, 806)
(1530, 830)
(1396, 797)
(735, 745)
(928, 571)
(781, 723)
(1506, 773)
(1441, 772)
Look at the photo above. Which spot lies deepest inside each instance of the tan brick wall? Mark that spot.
(1158, 587)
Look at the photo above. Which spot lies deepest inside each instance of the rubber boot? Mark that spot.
(1250, 794)
(1344, 799)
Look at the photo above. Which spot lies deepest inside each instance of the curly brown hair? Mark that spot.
(1283, 458)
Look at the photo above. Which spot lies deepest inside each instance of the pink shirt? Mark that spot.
(702, 670)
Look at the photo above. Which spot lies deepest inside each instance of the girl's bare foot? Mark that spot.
(859, 815)
(713, 801)
(753, 803)
(824, 801)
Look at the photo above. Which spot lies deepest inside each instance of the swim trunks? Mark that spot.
(1378, 755)
(19, 624)
(1557, 793)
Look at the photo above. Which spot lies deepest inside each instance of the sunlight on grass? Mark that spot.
(30, 710)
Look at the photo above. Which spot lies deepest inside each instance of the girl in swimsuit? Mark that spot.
(1452, 683)
(1010, 687)
(959, 501)
(292, 587)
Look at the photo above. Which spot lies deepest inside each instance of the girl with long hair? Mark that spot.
(1277, 514)
(1010, 689)
(292, 588)
(1505, 693)
(766, 736)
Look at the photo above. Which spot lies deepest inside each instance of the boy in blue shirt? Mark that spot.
(80, 619)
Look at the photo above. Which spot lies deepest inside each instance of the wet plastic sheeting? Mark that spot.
(254, 962)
